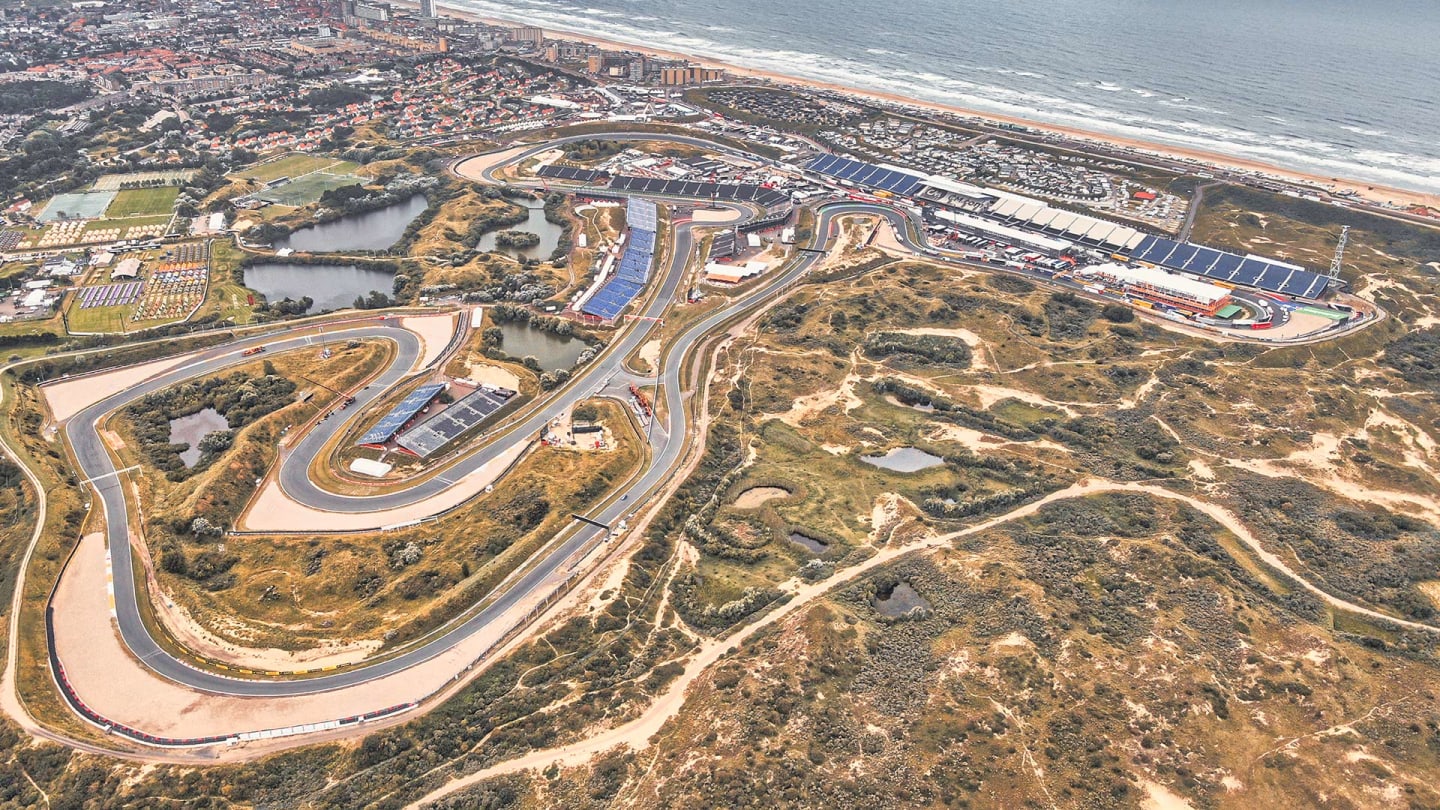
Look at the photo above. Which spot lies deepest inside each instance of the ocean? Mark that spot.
(1332, 87)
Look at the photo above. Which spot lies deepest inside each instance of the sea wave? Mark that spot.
(1099, 105)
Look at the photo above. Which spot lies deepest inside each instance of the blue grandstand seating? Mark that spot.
(867, 174)
(1221, 266)
(633, 269)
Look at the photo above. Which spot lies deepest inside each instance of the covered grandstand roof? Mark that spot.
(1248, 271)
(1186, 287)
(940, 183)
(1005, 233)
(391, 423)
(444, 427)
(1035, 214)
(571, 173)
(895, 180)
(738, 192)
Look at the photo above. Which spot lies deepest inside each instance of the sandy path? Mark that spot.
(274, 511)
(637, 733)
(72, 396)
(435, 332)
(979, 356)
(1319, 461)
(991, 394)
(109, 679)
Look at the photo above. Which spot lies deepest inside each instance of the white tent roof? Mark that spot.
(1160, 280)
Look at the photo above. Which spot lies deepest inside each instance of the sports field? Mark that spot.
(143, 202)
(307, 189)
(99, 319)
(295, 165)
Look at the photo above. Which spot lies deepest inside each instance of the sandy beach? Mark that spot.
(1369, 191)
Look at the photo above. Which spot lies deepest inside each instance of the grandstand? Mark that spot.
(1247, 271)
(1009, 209)
(1158, 286)
(444, 427)
(1004, 233)
(730, 192)
(392, 422)
(633, 270)
(571, 173)
(884, 178)
(1082, 228)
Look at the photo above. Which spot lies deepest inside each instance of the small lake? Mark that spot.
(809, 543)
(191, 429)
(535, 223)
(905, 460)
(372, 230)
(900, 600)
(551, 351)
(331, 286)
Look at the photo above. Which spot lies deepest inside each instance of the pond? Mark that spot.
(535, 223)
(905, 460)
(550, 350)
(332, 286)
(372, 230)
(900, 600)
(191, 429)
(810, 544)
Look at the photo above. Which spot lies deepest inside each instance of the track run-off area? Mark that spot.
(166, 707)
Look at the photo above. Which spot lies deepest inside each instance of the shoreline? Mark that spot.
(1376, 193)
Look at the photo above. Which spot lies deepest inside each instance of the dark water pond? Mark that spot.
(372, 230)
(191, 429)
(330, 286)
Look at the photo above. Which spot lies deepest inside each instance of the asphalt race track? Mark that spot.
(668, 440)
(97, 466)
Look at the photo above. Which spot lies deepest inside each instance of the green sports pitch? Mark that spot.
(142, 202)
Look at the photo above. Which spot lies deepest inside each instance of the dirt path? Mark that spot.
(637, 733)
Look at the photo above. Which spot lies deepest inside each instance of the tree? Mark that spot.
(1118, 313)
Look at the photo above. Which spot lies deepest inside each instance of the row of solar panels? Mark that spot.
(391, 423)
(444, 427)
(1221, 266)
(571, 173)
(734, 192)
(866, 174)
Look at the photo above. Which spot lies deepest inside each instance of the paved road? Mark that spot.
(95, 464)
(668, 441)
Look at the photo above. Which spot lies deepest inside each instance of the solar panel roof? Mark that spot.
(447, 425)
(391, 423)
(570, 173)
